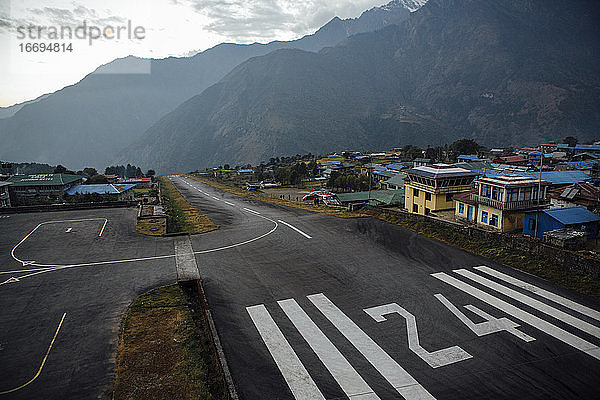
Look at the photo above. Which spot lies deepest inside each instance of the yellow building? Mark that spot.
(432, 188)
(500, 202)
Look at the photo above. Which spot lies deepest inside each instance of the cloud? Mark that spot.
(260, 20)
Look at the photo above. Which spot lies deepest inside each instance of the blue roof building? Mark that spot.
(580, 148)
(120, 192)
(578, 218)
(556, 178)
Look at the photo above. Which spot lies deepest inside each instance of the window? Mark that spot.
(449, 197)
(497, 193)
(416, 192)
(532, 224)
(486, 191)
(494, 220)
(427, 196)
(484, 217)
(461, 208)
(427, 210)
(415, 208)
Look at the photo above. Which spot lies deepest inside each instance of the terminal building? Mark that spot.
(40, 188)
(431, 188)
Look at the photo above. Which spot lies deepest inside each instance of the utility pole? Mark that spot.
(539, 196)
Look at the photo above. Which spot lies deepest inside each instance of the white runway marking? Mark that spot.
(538, 305)
(12, 252)
(252, 211)
(345, 375)
(536, 322)
(296, 229)
(541, 292)
(68, 230)
(489, 326)
(228, 203)
(214, 197)
(435, 359)
(295, 374)
(103, 226)
(397, 376)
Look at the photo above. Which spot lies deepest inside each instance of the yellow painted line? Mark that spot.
(43, 361)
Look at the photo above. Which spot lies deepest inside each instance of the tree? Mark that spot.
(411, 152)
(96, 179)
(89, 172)
(464, 146)
(60, 169)
(571, 141)
(151, 173)
(227, 166)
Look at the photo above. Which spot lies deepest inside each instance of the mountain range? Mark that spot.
(503, 72)
(88, 123)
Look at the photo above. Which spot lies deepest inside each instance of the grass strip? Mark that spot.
(181, 215)
(165, 350)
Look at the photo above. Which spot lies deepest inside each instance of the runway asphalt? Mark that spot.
(330, 316)
(307, 306)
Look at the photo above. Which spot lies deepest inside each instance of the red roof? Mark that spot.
(110, 176)
(511, 159)
(135, 180)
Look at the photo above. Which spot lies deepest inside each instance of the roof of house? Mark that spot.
(554, 177)
(512, 159)
(465, 197)
(476, 166)
(592, 147)
(99, 189)
(576, 191)
(134, 180)
(386, 174)
(572, 215)
(511, 180)
(397, 179)
(43, 179)
(2, 183)
(581, 164)
(245, 171)
(386, 197)
(396, 166)
(425, 160)
(472, 157)
(440, 171)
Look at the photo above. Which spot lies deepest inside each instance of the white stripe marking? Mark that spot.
(401, 380)
(295, 374)
(536, 322)
(214, 197)
(345, 375)
(538, 305)
(68, 230)
(103, 226)
(491, 323)
(296, 229)
(228, 203)
(435, 359)
(252, 211)
(541, 292)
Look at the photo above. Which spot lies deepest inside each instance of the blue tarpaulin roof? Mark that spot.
(572, 215)
(99, 189)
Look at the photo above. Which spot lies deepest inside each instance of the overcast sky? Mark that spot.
(164, 28)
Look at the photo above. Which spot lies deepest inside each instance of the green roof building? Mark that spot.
(41, 188)
(374, 198)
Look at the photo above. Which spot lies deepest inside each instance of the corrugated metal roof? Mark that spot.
(554, 177)
(572, 215)
(99, 189)
(397, 180)
(386, 197)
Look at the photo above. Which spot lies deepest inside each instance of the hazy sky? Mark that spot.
(164, 28)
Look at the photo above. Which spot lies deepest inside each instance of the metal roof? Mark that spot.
(441, 171)
(572, 215)
(554, 177)
(397, 180)
(386, 197)
(5, 183)
(99, 189)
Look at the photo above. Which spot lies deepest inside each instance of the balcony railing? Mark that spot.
(509, 205)
(439, 189)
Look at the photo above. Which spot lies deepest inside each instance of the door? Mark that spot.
(470, 213)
